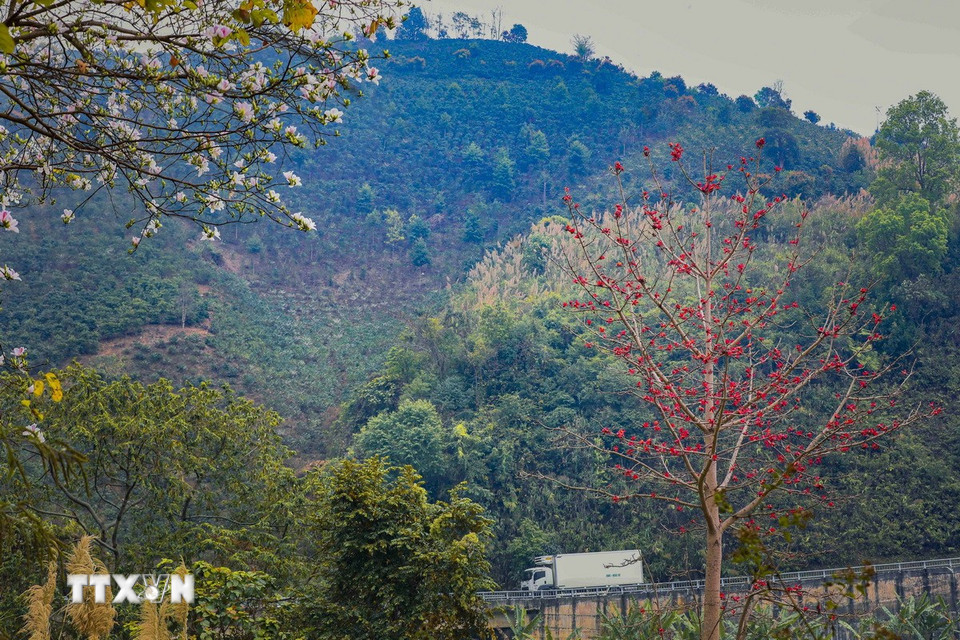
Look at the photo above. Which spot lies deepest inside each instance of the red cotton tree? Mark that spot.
(720, 355)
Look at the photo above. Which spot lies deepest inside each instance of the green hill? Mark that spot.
(463, 146)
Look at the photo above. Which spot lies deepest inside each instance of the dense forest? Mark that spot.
(424, 322)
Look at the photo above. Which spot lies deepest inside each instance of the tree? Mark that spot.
(772, 97)
(164, 469)
(466, 25)
(240, 605)
(417, 227)
(537, 150)
(919, 147)
(719, 354)
(504, 179)
(474, 157)
(394, 223)
(366, 198)
(472, 229)
(414, 26)
(745, 104)
(583, 47)
(517, 33)
(412, 435)
(812, 116)
(783, 148)
(419, 253)
(391, 564)
(578, 154)
(175, 103)
(907, 238)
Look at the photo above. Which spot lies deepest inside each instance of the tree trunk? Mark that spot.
(712, 613)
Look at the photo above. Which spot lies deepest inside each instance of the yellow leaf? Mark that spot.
(38, 388)
(56, 389)
(299, 15)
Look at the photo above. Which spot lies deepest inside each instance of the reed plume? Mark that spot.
(40, 606)
(89, 618)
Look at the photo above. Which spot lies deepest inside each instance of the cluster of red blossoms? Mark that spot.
(675, 294)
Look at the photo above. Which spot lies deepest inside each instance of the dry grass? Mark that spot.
(92, 620)
(40, 606)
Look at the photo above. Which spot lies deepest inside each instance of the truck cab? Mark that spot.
(537, 578)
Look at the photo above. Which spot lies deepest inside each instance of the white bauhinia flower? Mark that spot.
(67, 216)
(293, 180)
(8, 222)
(244, 110)
(305, 223)
(32, 430)
(210, 233)
(8, 273)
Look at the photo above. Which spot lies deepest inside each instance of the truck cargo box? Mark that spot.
(602, 568)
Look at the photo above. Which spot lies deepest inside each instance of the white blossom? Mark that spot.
(305, 223)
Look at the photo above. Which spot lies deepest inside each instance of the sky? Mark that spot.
(840, 58)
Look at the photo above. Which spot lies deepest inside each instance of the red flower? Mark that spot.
(760, 143)
(617, 167)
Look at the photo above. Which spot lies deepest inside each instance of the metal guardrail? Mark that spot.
(686, 585)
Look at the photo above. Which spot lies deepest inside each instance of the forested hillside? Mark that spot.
(370, 336)
(467, 144)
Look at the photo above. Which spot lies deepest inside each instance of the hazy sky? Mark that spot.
(841, 58)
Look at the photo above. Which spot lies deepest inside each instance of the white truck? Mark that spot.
(576, 570)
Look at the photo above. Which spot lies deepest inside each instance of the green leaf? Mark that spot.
(7, 45)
